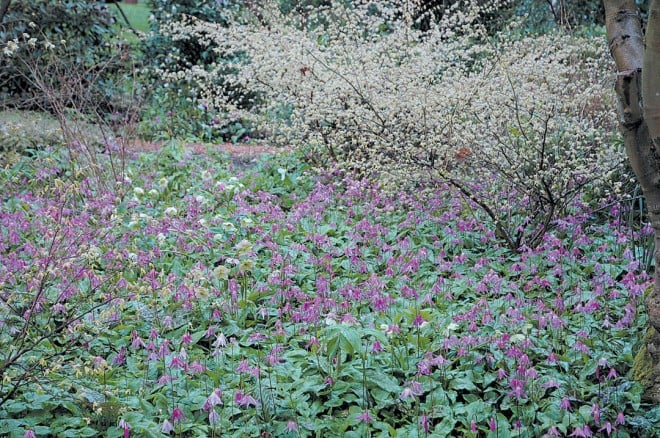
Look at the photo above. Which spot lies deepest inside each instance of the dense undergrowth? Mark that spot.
(204, 302)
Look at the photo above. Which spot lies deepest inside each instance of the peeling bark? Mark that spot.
(651, 73)
(638, 87)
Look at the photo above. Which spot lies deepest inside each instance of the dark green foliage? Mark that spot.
(85, 27)
(542, 16)
(191, 118)
(171, 55)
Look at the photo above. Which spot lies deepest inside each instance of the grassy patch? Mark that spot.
(137, 14)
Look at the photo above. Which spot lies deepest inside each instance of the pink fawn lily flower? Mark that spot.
(424, 421)
(607, 428)
(244, 400)
(213, 416)
(178, 415)
(123, 424)
(620, 419)
(364, 417)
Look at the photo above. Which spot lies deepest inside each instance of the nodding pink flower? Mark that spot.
(167, 427)
(553, 432)
(416, 388)
(186, 339)
(243, 366)
(29, 434)
(473, 426)
(364, 417)
(579, 346)
(123, 424)
(595, 412)
(313, 342)
(582, 432)
(221, 341)
(257, 337)
(244, 400)
(612, 374)
(176, 362)
(197, 368)
(531, 374)
(213, 416)
(214, 399)
(376, 347)
(620, 419)
(607, 428)
(120, 359)
(136, 342)
(517, 388)
(492, 424)
(178, 415)
(406, 394)
(552, 383)
(392, 329)
(565, 403)
(291, 426)
(165, 379)
(424, 421)
(439, 360)
(424, 367)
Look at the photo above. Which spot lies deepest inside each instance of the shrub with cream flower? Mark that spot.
(518, 126)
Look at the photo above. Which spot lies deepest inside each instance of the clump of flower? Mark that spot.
(517, 126)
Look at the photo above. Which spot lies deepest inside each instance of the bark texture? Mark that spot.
(637, 87)
(4, 7)
(651, 73)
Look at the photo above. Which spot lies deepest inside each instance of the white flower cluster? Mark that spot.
(534, 114)
(13, 46)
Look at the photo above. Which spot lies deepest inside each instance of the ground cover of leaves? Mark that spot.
(212, 300)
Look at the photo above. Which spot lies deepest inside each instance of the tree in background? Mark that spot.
(4, 7)
(638, 88)
(77, 34)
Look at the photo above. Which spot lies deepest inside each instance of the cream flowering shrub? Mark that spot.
(518, 126)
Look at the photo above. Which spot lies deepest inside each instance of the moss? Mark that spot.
(24, 131)
(643, 364)
(108, 413)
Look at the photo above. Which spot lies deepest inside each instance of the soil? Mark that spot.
(241, 154)
(247, 150)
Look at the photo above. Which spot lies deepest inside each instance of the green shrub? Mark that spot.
(34, 32)
(171, 54)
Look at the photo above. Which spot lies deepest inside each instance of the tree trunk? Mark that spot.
(637, 87)
(4, 7)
